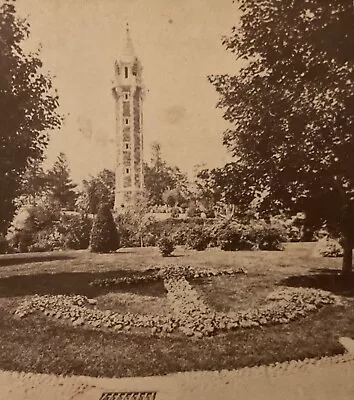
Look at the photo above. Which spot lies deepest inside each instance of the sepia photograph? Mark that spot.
(176, 199)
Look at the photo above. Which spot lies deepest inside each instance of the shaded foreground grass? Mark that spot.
(37, 344)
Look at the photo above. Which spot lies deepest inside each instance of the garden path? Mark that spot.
(325, 379)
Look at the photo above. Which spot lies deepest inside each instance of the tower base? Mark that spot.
(127, 199)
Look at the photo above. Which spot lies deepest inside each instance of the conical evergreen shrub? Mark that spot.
(104, 234)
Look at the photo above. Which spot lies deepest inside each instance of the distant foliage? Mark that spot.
(104, 234)
(166, 246)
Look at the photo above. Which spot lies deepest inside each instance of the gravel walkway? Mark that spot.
(327, 378)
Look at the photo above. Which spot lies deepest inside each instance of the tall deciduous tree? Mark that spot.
(292, 105)
(27, 108)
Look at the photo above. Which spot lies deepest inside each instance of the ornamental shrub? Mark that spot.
(47, 240)
(128, 230)
(76, 229)
(231, 238)
(149, 239)
(166, 246)
(328, 247)
(104, 236)
(197, 238)
(271, 238)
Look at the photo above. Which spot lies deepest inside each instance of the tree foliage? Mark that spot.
(60, 185)
(159, 177)
(292, 107)
(27, 108)
(100, 189)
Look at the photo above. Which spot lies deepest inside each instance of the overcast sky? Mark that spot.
(178, 43)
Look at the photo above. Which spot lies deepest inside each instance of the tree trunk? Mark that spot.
(347, 265)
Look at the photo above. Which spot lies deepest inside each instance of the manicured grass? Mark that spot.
(38, 344)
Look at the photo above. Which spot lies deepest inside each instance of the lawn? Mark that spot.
(37, 343)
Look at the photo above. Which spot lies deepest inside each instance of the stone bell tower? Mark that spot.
(128, 92)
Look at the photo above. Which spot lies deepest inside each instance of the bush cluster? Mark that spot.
(64, 232)
(199, 233)
(177, 229)
(253, 236)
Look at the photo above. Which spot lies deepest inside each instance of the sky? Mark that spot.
(179, 45)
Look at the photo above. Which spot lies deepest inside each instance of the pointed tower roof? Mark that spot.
(129, 52)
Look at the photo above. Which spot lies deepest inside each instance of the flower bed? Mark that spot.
(194, 317)
(77, 310)
(166, 271)
(190, 314)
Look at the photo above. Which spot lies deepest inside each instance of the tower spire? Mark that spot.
(129, 52)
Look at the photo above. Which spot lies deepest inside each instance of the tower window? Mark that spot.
(127, 170)
(126, 72)
(126, 121)
(126, 96)
(127, 146)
